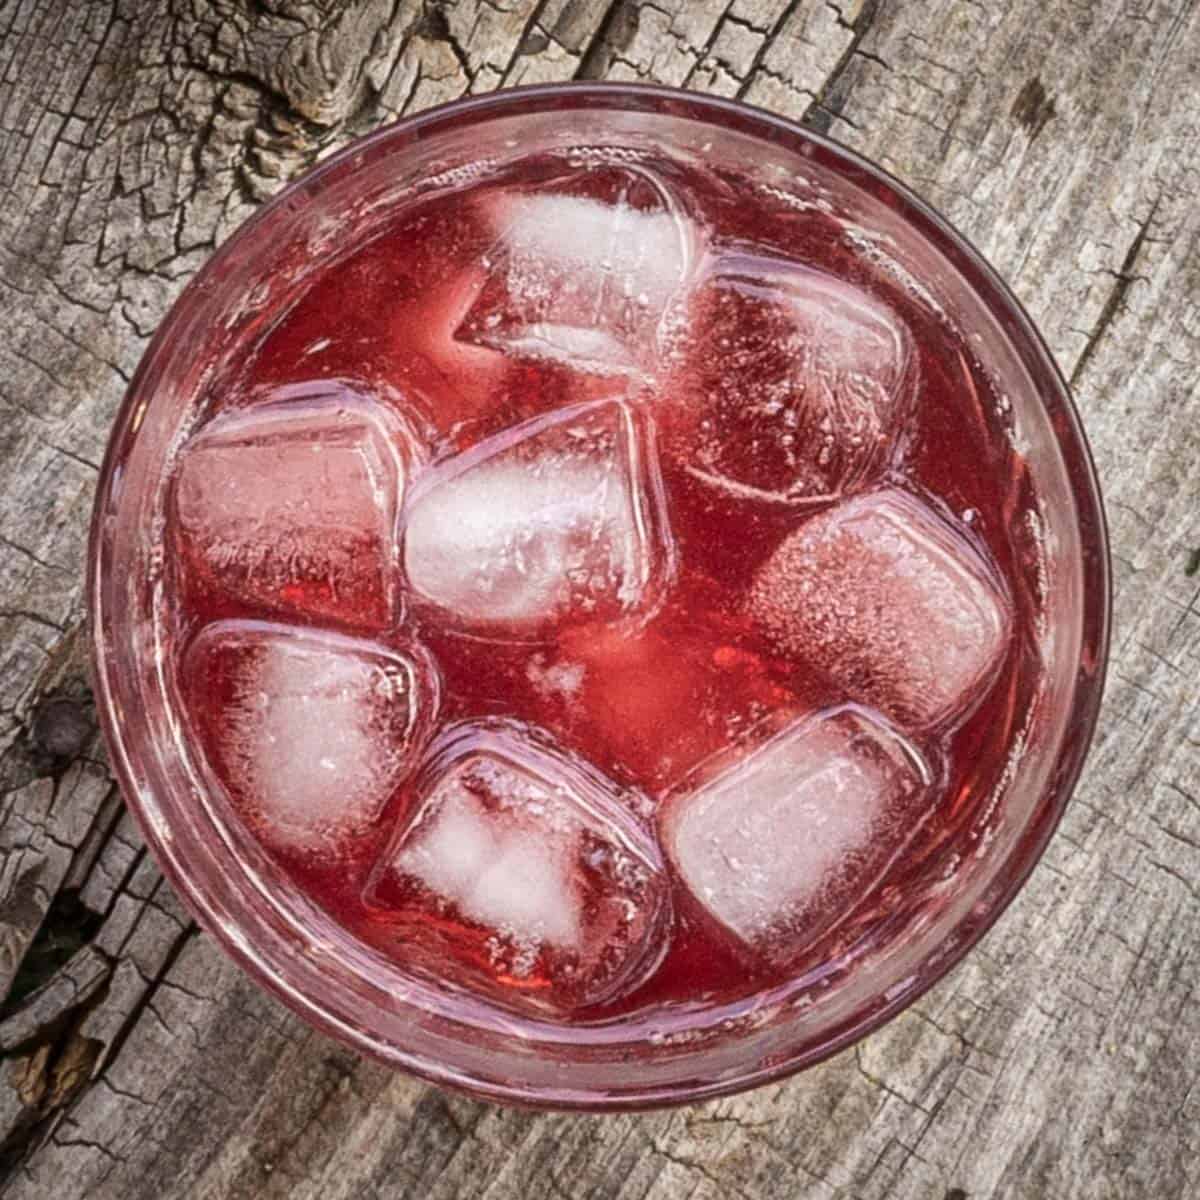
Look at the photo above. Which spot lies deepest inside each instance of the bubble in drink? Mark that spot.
(891, 601)
(520, 872)
(291, 505)
(310, 733)
(798, 387)
(593, 281)
(558, 519)
(779, 844)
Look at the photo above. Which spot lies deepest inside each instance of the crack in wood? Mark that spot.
(834, 93)
(614, 32)
(1124, 278)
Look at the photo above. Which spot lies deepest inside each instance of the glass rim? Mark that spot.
(1027, 343)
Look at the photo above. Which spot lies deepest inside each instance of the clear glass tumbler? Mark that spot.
(296, 950)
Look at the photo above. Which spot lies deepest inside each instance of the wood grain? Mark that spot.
(1061, 1059)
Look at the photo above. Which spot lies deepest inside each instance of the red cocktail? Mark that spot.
(626, 587)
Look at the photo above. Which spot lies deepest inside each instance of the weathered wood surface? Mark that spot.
(1062, 1059)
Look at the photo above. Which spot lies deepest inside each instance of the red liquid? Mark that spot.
(700, 676)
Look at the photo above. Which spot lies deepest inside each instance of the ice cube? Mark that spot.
(796, 387)
(291, 505)
(311, 733)
(890, 600)
(560, 516)
(779, 845)
(521, 874)
(596, 282)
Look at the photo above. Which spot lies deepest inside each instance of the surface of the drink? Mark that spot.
(602, 588)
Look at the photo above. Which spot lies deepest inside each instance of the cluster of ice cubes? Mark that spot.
(515, 868)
